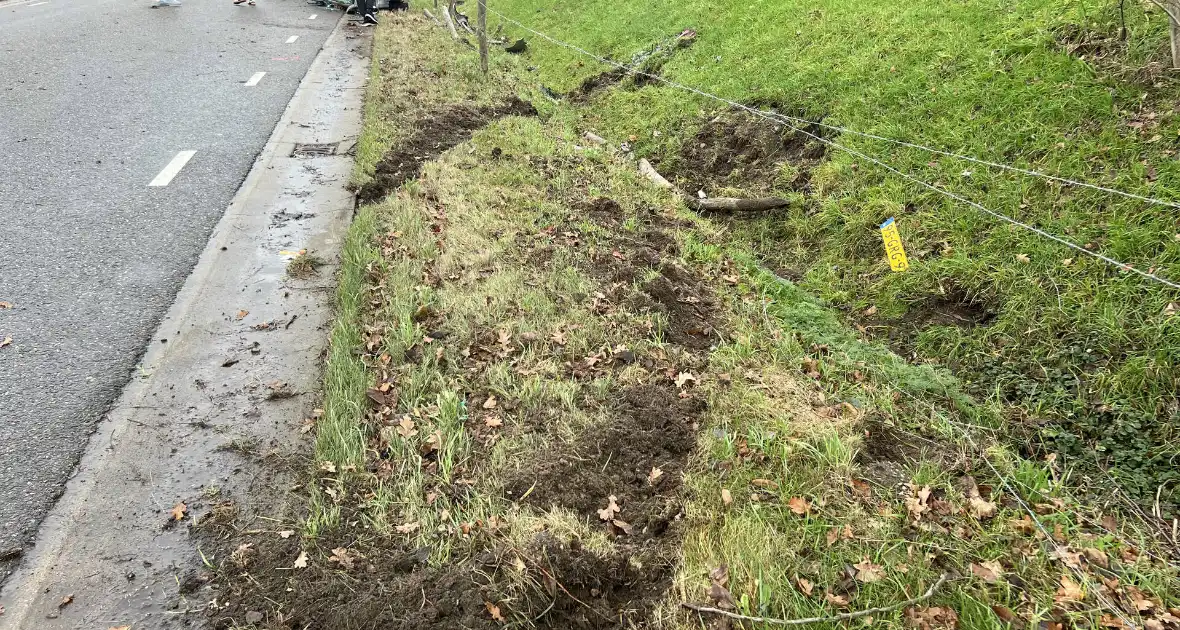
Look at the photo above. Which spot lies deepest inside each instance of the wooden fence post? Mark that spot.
(483, 35)
(1174, 10)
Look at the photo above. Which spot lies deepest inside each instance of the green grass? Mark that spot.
(1080, 354)
(800, 406)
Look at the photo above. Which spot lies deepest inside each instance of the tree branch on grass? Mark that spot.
(431, 16)
(718, 204)
(841, 617)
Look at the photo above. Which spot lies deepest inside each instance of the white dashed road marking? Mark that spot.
(170, 171)
(255, 79)
(311, 17)
(37, 4)
(291, 39)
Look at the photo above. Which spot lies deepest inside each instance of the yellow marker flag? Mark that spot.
(893, 249)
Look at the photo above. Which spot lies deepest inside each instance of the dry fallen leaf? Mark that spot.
(989, 571)
(1097, 556)
(494, 611)
(799, 505)
(683, 378)
(327, 466)
(341, 556)
(612, 508)
(1023, 258)
(405, 427)
(1069, 591)
(726, 497)
(868, 572)
(301, 561)
(982, 508)
(287, 533)
(66, 601)
(491, 402)
(5, 305)
(6, 342)
(1006, 615)
(178, 511)
(493, 421)
(839, 601)
(654, 475)
(623, 525)
(407, 528)
(805, 586)
(932, 618)
(833, 536)
(917, 505)
(242, 314)
(111, 628)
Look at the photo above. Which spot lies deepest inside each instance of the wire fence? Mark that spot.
(793, 123)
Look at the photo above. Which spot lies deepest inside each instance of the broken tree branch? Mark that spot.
(650, 172)
(431, 16)
(841, 617)
(718, 204)
(729, 204)
(450, 23)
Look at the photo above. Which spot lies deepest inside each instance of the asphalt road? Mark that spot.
(96, 98)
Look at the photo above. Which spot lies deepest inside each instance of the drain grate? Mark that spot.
(312, 149)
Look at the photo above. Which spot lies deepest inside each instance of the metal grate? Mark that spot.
(312, 149)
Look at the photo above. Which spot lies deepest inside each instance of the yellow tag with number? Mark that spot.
(893, 249)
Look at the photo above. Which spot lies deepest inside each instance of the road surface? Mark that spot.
(100, 99)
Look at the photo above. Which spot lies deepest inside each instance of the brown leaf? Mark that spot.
(1072, 559)
(1006, 615)
(917, 505)
(683, 378)
(799, 505)
(622, 525)
(726, 497)
(1068, 592)
(490, 403)
(720, 575)
(932, 618)
(407, 528)
(1023, 258)
(839, 601)
(721, 596)
(654, 475)
(1097, 556)
(6, 342)
(1110, 621)
(301, 561)
(764, 483)
(805, 586)
(861, 489)
(405, 427)
(982, 508)
(242, 314)
(494, 611)
(493, 422)
(286, 533)
(341, 556)
(612, 508)
(833, 536)
(66, 601)
(989, 571)
(111, 628)
(870, 311)
(178, 511)
(5, 306)
(868, 572)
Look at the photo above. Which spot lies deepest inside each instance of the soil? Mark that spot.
(435, 134)
(593, 85)
(652, 428)
(744, 151)
(888, 455)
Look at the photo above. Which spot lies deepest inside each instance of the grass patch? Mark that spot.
(1083, 357)
(555, 399)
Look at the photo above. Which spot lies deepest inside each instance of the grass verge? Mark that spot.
(557, 399)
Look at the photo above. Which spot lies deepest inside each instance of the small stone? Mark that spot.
(253, 617)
